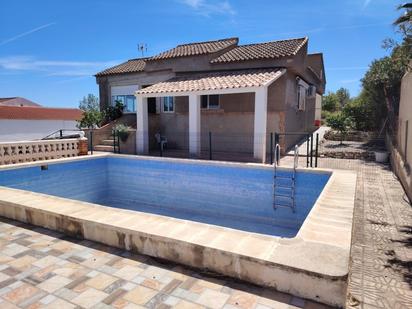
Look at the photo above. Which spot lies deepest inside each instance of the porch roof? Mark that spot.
(212, 81)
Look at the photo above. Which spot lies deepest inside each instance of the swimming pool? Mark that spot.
(228, 195)
(229, 226)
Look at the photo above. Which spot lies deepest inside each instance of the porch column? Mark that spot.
(259, 138)
(142, 126)
(194, 125)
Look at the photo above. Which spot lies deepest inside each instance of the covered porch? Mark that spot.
(193, 87)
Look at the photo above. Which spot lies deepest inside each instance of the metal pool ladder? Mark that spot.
(287, 184)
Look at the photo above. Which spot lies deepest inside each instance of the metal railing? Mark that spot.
(310, 141)
(59, 134)
(283, 190)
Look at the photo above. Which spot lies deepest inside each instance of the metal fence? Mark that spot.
(307, 143)
(313, 148)
(213, 146)
(354, 146)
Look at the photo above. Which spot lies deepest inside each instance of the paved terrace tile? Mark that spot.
(40, 268)
(381, 251)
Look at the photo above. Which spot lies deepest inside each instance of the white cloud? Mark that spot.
(193, 3)
(209, 7)
(366, 3)
(333, 28)
(14, 38)
(53, 67)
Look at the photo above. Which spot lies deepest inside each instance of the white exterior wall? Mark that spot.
(26, 130)
(194, 125)
(124, 90)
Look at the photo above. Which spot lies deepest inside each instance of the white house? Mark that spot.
(31, 122)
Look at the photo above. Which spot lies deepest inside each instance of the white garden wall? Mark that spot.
(26, 130)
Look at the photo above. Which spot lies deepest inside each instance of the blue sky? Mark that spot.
(50, 49)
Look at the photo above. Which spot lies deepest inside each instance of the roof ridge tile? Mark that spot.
(264, 50)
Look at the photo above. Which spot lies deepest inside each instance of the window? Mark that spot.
(128, 101)
(210, 101)
(130, 105)
(301, 96)
(168, 105)
(301, 93)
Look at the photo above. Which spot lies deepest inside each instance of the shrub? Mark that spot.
(122, 131)
(360, 113)
(341, 123)
(326, 114)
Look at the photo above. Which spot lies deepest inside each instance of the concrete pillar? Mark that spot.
(259, 137)
(194, 125)
(142, 126)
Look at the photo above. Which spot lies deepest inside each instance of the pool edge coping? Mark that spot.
(307, 235)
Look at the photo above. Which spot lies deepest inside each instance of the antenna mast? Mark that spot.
(142, 47)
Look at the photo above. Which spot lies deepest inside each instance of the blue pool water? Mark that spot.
(230, 196)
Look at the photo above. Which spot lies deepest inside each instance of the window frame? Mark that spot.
(168, 111)
(301, 88)
(301, 101)
(208, 102)
(124, 101)
(125, 109)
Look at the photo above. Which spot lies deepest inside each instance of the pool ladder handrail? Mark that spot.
(292, 186)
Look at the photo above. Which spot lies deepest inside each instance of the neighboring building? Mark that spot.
(17, 101)
(30, 122)
(240, 93)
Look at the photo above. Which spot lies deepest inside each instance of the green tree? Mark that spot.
(380, 96)
(341, 123)
(360, 112)
(343, 96)
(382, 83)
(92, 117)
(330, 102)
(114, 112)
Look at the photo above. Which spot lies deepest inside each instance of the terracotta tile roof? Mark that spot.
(17, 101)
(39, 113)
(214, 81)
(269, 50)
(130, 66)
(6, 99)
(198, 48)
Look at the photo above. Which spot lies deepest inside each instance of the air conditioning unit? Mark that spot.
(312, 91)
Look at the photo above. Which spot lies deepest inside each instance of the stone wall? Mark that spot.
(356, 136)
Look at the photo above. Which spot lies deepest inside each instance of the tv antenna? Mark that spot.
(142, 47)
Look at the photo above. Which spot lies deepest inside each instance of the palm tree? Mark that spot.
(404, 22)
(406, 18)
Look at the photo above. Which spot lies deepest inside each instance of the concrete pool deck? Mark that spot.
(313, 265)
